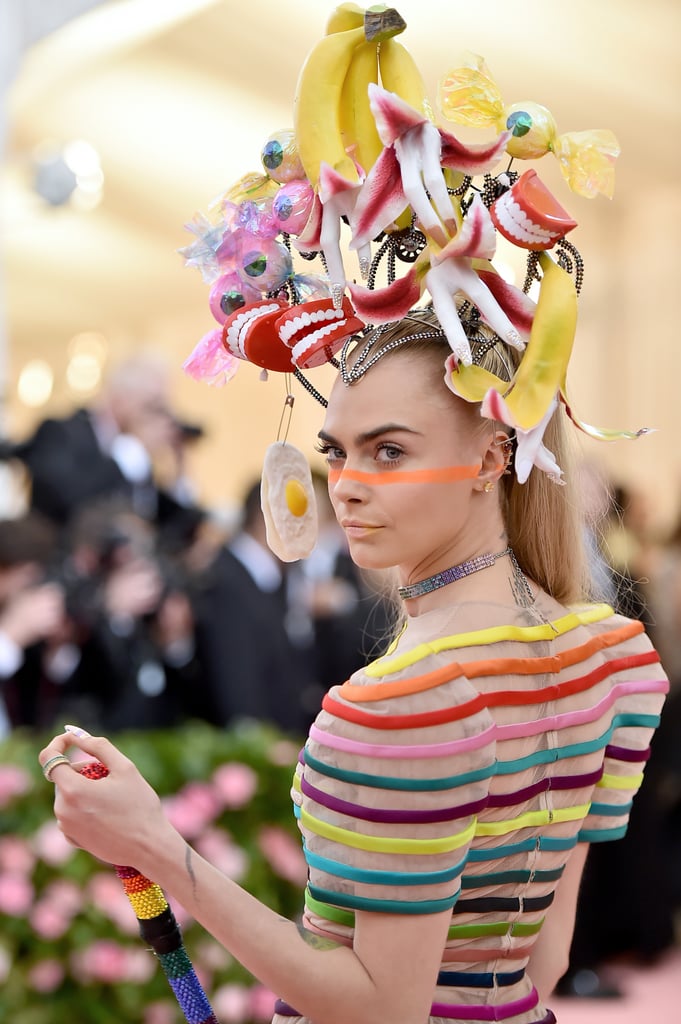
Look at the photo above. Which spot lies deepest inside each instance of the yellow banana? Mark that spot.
(317, 104)
(357, 121)
(344, 17)
(400, 74)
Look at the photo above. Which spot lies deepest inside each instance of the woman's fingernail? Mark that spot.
(76, 730)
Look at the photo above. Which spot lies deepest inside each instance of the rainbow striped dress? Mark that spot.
(459, 771)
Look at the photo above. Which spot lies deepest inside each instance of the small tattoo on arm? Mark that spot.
(190, 871)
(316, 941)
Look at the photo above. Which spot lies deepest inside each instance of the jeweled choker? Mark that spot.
(456, 572)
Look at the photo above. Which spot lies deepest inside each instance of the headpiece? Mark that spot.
(372, 158)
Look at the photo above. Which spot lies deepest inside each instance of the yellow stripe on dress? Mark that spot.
(386, 844)
(620, 781)
(531, 819)
(495, 634)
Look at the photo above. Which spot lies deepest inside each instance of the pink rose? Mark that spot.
(284, 854)
(106, 892)
(192, 809)
(262, 1003)
(140, 965)
(46, 976)
(14, 781)
(16, 894)
(51, 845)
(160, 1012)
(103, 960)
(217, 847)
(64, 895)
(232, 1004)
(236, 784)
(16, 856)
(48, 920)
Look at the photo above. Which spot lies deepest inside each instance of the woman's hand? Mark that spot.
(118, 818)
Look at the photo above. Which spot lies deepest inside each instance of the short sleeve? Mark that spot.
(640, 688)
(387, 795)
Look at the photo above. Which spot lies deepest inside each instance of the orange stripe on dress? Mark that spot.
(498, 666)
(438, 475)
(493, 699)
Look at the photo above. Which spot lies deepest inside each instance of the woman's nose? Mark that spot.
(344, 487)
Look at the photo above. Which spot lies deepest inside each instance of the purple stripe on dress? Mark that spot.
(500, 1012)
(544, 785)
(389, 815)
(625, 754)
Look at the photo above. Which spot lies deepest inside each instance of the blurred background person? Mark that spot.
(112, 449)
(133, 600)
(252, 669)
(37, 650)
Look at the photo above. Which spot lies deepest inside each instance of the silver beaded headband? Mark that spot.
(371, 349)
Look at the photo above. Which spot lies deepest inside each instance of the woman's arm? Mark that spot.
(389, 975)
(550, 957)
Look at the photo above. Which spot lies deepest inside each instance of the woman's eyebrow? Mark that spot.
(371, 435)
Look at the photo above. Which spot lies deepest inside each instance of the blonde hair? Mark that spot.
(543, 519)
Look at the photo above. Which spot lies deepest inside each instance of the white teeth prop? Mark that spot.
(288, 502)
(315, 330)
(529, 216)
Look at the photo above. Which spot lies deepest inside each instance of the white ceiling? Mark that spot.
(178, 96)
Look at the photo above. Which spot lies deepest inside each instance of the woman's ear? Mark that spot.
(495, 460)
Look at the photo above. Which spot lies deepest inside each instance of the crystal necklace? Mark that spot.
(456, 572)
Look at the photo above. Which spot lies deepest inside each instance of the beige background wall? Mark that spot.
(178, 97)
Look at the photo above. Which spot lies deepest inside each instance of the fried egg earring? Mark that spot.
(288, 502)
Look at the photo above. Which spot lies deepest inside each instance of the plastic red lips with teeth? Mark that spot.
(314, 331)
(250, 333)
(529, 216)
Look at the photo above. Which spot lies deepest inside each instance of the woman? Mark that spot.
(448, 792)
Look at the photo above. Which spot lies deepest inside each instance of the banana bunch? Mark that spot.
(333, 122)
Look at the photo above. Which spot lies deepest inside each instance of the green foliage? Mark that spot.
(69, 948)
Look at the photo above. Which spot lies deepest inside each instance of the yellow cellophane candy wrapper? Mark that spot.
(469, 95)
(587, 160)
(251, 186)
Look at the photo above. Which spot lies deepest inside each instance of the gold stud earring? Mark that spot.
(488, 486)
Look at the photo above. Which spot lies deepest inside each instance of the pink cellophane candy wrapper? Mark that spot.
(210, 362)
(587, 160)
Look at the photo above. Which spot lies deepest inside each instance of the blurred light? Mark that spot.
(90, 343)
(35, 383)
(83, 373)
(69, 173)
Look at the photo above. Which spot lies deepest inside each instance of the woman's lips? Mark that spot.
(355, 529)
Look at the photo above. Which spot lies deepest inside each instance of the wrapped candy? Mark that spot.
(280, 157)
(263, 263)
(230, 293)
(469, 95)
(292, 205)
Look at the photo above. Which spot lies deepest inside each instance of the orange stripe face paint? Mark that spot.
(439, 475)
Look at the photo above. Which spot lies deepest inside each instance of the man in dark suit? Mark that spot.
(251, 669)
(109, 450)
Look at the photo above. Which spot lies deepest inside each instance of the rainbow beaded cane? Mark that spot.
(161, 931)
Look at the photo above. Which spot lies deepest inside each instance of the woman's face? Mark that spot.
(400, 419)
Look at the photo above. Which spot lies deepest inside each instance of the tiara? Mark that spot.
(368, 211)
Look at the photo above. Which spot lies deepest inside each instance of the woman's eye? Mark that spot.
(331, 452)
(389, 453)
